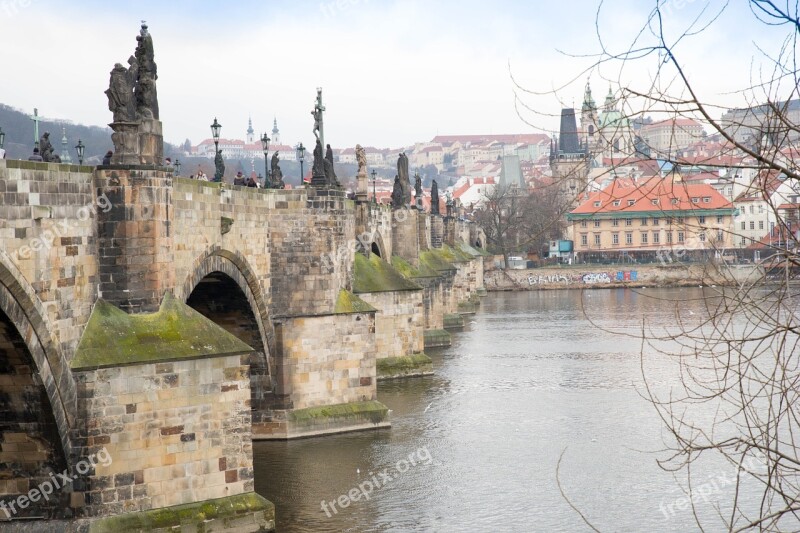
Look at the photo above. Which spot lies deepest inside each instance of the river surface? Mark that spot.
(476, 447)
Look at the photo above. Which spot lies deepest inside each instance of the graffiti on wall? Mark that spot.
(589, 278)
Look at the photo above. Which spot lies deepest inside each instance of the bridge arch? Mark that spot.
(221, 271)
(378, 247)
(37, 395)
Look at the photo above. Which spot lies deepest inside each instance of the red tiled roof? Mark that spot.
(527, 138)
(670, 195)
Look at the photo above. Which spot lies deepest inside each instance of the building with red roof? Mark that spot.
(652, 214)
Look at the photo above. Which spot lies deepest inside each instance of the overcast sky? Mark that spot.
(393, 72)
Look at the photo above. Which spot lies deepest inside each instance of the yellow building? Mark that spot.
(652, 216)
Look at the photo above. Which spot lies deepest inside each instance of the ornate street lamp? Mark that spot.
(215, 128)
(177, 167)
(301, 156)
(2, 138)
(374, 177)
(265, 146)
(81, 149)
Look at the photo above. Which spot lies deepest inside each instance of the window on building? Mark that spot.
(631, 202)
(654, 201)
(597, 239)
(695, 200)
(597, 204)
(706, 199)
(616, 203)
(615, 222)
(720, 218)
(752, 210)
(752, 224)
(681, 220)
(680, 237)
(584, 239)
(730, 191)
(656, 221)
(720, 235)
(644, 238)
(669, 237)
(702, 236)
(761, 209)
(744, 225)
(615, 239)
(743, 242)
(701, 220)
(629, 222)
(644, 222)
(584, 223)
(596, 223)
(760, 224)
(656, 237)
(674, 201)
(628, 237)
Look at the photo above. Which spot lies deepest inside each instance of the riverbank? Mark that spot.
(611, 276)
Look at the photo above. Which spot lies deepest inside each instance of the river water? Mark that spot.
(476, 447)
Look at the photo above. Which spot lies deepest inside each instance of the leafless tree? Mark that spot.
(738, 397)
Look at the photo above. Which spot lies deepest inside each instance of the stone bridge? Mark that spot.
(151, 326)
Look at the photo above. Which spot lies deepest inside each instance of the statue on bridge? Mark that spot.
(330, 173)
(277, 173)
(434, 198)
(405, 181)
(219, 164)
(397, 194)
(318, 176)
(45, 148)
(133, 101)
(418, 190)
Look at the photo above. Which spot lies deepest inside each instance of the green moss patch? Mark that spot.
(176, 331)
(376, 275)
(453, 321)
(435, 338)
(400, 367)
(474, 252)
(410, 271)
(373, 411)
(348, 304)
(193, 514)
(435, 260)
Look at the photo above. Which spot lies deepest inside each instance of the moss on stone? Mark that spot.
(454, 255)
(435, 338)
(434, 259)
(408, 270)
(374, 410)
(411, 365)
(376, 275)
(176, 331)
(348, 303)
(191, 515)
(474, 252)
(453, 321)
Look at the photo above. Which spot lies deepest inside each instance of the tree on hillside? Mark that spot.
(739, 389)
(518, 220)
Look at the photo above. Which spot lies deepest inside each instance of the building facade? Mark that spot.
(655, 215)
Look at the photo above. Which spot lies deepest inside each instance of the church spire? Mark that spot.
(276, 136)
(250, 131)
(588, 100)
(65, 157)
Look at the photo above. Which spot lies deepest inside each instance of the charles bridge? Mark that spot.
(163, 324)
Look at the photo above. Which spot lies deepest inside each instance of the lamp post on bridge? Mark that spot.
(301, 156)
(177, 167)
(374, 178)
(81, 149)
(265, 147)
(2, 138)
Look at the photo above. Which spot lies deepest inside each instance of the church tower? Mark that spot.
(589, 121)
(251, 134)
(276, 135)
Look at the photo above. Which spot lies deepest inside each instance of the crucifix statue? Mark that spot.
(319, 130)
(35, 118)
